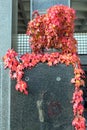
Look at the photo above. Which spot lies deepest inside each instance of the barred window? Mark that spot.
(24, 47)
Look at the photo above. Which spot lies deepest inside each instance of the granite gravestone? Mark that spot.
(47, 107)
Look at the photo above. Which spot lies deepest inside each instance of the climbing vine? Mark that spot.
(51, 30)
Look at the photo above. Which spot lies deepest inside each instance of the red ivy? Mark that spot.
(53, 30)
(30, 60)
(79, 123)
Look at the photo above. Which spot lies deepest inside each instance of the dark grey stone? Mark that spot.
(47, 107)
(83, 59)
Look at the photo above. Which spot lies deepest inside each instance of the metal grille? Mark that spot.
(82, 42)
(23, 44)
(24, 47)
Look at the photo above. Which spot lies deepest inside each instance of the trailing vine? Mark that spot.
(51, 30)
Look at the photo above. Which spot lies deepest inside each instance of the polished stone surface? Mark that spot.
(47, 107)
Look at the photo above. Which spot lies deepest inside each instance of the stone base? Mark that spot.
(47, 107)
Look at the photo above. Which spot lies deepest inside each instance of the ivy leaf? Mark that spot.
(22, 87)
